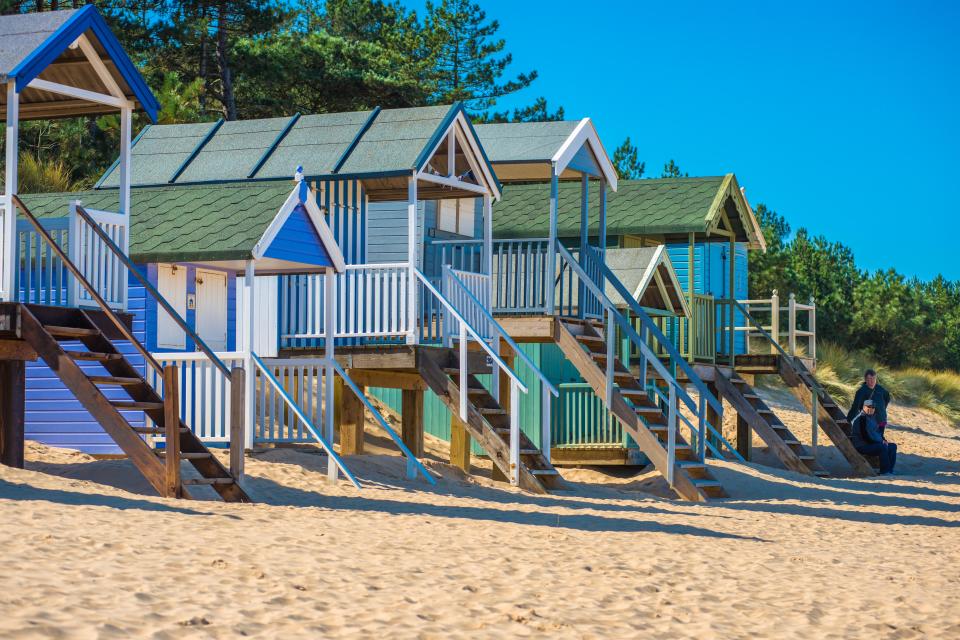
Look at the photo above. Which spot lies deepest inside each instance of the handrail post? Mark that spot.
(775, 319)
(792, 320)
(812, 322)
(546, 421)
(514, 433)
(611, 336)
(464, 383)
(73, 251)
(671, 433)
(551, 288)
(412, 224)
(171, 425)
(238, 425)
(702, 429)
(814, 413)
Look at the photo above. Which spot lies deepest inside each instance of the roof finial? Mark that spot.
(298, 175)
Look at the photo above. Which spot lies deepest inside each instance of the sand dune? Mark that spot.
(88, 552)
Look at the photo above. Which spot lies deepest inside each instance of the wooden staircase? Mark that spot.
(54, 332)
(489, 423)
(831, 418)
(778, 438)
(583, 343)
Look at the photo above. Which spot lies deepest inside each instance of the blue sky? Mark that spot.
(843, 116)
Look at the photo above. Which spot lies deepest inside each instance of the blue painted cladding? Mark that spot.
(711, 275)
(298, 241)
(56, 418)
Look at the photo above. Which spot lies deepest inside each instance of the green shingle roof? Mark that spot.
(183, 223)
(639, 207)
(393, 143)
(524, 141)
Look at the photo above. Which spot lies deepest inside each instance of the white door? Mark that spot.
(172, 285)
(265, 295)
(212, 308)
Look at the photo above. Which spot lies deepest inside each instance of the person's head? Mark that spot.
(870, 378)
(868, 407)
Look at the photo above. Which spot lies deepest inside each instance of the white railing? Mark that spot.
(42, 277)
(204, 391)
(7, 242)
(100, 266)
(764, 308)
(459, 287)
(472, 306)
(372, 301)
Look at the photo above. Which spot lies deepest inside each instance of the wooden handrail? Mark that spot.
(111, 314)
(152, 290)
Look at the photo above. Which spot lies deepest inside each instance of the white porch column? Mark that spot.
(412, 258)
(250, 379)
(10, 188)
(330, 332)
(584, 240)
(487, 266)
(602, 232)
(126, 124)
(551, 288)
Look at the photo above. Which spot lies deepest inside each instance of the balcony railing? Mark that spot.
(43, 278)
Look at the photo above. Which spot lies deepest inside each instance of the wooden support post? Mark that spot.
(744, 435)
(713, 417)
(12, 392)
(411, 421)
(339, 393)
(775, 321)
(238, 428)
(459, 443)
(350, 421)
(171, 424)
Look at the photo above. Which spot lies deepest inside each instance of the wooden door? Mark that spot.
(212, 308)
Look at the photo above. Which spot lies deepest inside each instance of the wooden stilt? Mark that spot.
(350, 416)
(171, 423)
(459, 443)
(744, 438)
(714, 418)
(237, 426)
(12, 387)
(411, 420)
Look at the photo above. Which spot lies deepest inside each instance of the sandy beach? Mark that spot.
(90, 553)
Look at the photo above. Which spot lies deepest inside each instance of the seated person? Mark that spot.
(868, 438)
(870, 390)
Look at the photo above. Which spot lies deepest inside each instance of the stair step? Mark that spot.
(589, 338)
(155, 431)
(94, 356)
(647, 410)
(805, 457)
(820, 473)
(207, 481)
(750, 396)
(791, 442)
(632, 392)
(768, 412)
(69, 332)
(529, 452)
(116, 380)
(502, 430)
(192, 455)
(690, 464)
(131, 404)
(544, 472)
(780, 427)
(492, 411)
(703, 483)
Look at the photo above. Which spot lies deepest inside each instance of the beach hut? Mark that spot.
(394, 326)
(64, 287)
(708, 228)
(551, 291)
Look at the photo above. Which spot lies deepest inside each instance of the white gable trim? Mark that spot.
(662, 257)
(585, 133)
(316, 217)
(462, 133)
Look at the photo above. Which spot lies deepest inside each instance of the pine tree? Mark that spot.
(671, 170)
(628, 165)
(468, 60)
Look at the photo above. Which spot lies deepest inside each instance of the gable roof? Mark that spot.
(39, 46)
(648, 274)
(667, 209)
(379, 143)
(511, 145)
(205, 223)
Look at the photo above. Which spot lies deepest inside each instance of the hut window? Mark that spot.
(457, 216)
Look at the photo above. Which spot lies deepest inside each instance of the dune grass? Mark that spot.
(841, 372)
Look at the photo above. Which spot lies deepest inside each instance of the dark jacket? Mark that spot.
(865, 431)
(880, 397)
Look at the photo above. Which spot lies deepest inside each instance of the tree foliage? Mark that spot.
(627, 162)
